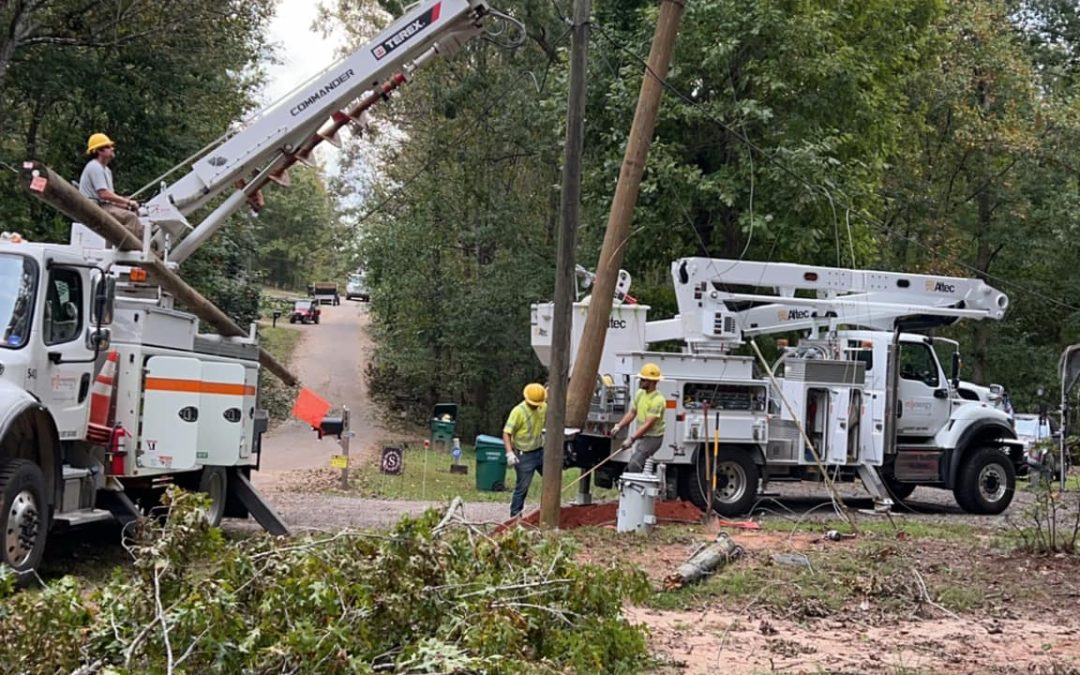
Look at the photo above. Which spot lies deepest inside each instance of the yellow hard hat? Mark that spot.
(650, 371)
(96, 142)
(535, 393)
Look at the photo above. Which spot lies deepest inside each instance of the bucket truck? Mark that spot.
(863, 395)
(108, 392)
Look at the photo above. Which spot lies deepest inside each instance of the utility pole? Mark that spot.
(569, 216)
(622, 214)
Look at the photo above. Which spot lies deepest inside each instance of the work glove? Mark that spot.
(627, 444)
(511, 459)
(615, 429)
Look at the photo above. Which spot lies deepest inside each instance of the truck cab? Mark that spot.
(357, 288)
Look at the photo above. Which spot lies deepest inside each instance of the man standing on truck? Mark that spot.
(648, 409)
(523, 438)
(96, 184)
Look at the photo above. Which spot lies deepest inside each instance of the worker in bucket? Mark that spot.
(648, 410)
(96, 184)
(523, 438)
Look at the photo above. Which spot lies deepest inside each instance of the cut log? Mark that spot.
(705, 561)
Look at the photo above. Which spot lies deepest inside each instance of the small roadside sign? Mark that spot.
(339, 461)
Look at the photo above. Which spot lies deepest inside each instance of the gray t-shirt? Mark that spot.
(95, 176)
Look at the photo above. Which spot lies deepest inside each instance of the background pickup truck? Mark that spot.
(325, 293)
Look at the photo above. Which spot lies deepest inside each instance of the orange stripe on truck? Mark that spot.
(670, 404)
(197, 387)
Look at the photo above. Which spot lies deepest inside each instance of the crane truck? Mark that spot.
(108, 392)
(862, 396)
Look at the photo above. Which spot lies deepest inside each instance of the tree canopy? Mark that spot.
(923, 135)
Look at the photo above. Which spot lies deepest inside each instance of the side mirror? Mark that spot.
(101, 310)
(98, 339)
(955, 377)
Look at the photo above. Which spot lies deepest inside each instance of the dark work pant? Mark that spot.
(644, 448)
(528, 464)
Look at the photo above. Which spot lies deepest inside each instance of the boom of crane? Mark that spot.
(288, 132)
(723, 302)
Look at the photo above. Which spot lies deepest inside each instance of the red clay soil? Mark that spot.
(607, 513)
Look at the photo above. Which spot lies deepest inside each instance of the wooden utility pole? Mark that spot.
(49, 187)
(622, 214)
(570, 215)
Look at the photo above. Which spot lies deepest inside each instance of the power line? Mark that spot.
(847, 203)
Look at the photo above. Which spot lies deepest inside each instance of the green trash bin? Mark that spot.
(490, 464)
(443, 423)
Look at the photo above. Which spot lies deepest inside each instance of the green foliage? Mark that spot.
(421, 599)
(162, 79)
(426, 477)
(299, 236)
(1051, 522)
(274, 397)
(457, 256)
(222, 271)
(936, 137)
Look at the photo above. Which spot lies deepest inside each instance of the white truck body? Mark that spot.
(828, 409)
(108, 394)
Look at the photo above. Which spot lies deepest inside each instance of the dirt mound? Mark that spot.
(606, 513)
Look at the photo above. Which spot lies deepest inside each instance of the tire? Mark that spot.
(897, 490)
(24, 520)
(736, 481)
(214, 481)
(985, 482)
(292, 319)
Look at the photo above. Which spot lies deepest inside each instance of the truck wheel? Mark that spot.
(737, 478)
(24, 518)
(292, 319)
(986, 482)
(215, 482)
(899, 491)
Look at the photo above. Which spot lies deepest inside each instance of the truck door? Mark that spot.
(221, 414)
(66, 361)
(923, 391)
(172, 390)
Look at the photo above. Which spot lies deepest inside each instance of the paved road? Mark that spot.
(331, 360)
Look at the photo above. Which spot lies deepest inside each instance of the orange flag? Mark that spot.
(310, 407)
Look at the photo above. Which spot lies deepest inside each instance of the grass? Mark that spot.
(912, 529)
(874, 572)
(280, 341)
(878, 573)
(426, 477)
(1072, 483)
(274, 396)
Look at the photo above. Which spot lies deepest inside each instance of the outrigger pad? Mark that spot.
(242, 488)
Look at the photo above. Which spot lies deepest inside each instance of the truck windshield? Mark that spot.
(18, 283)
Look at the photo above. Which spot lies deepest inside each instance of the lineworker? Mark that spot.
(523, 439)
(648, 410)
(96, 183)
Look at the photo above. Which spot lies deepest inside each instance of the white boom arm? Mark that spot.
(723, 301)
(287, 132)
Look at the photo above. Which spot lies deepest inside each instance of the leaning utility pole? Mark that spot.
(570, 215)
(622, 214)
